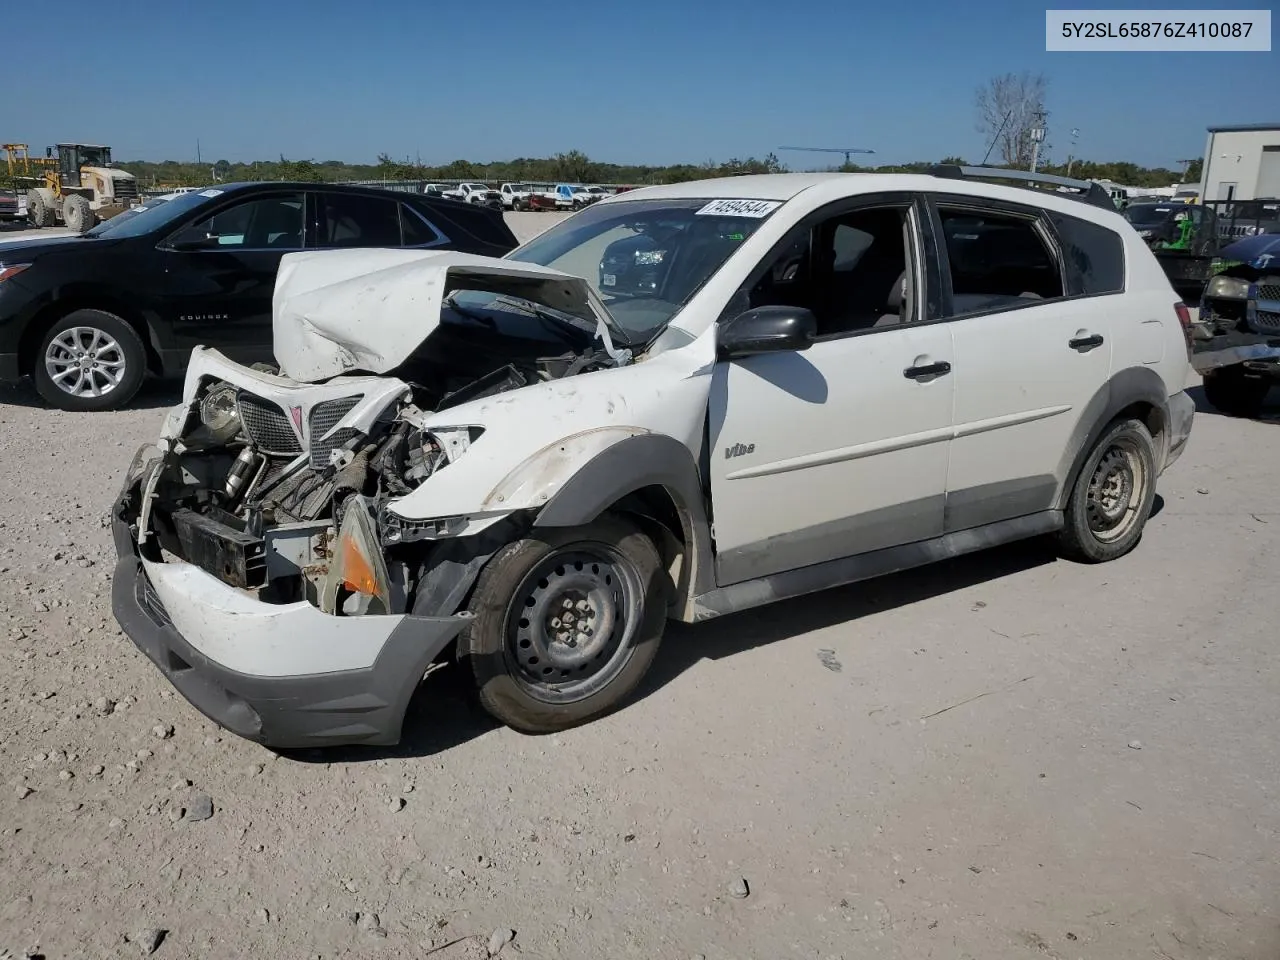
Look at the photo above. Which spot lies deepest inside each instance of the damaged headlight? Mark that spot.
(219, 413)
(1227, 288)
(430, 449)
(397, 529)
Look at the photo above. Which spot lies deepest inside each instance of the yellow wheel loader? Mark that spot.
(79, 187)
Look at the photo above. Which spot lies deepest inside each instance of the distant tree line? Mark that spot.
(571, 167)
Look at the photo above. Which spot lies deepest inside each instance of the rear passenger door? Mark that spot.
(1031, 296)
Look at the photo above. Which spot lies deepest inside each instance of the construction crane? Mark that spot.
(847, 151)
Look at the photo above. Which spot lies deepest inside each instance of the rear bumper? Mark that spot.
(1182, 412)
(282, 675)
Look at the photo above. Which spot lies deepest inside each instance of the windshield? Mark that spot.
(1148, 214)
(110, 226)
(646, 258)
(154, 217)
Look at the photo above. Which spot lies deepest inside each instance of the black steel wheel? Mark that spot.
(566, 622)
(1112, 497)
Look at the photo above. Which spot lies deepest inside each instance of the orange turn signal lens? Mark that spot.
(357, 571)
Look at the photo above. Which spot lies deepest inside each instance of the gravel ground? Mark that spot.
(1001, 756)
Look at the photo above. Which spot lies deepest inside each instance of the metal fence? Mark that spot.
(415, 186)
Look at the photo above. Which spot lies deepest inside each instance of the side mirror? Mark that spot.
(187, 243)
(766, 330)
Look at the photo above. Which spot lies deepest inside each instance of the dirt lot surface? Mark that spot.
(1006, 756)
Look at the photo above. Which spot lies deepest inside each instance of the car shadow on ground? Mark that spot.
(445, 713)
(154, 395)
(686, 645)
(1270, 409)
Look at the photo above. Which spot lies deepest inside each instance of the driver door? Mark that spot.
(221, 287)
(839, 449)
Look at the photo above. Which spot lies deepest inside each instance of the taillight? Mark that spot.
(1184, 318)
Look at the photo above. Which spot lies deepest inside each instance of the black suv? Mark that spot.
(88, 316)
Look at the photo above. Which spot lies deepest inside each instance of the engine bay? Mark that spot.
(281, 489)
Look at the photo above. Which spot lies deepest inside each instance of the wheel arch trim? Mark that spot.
(1135, 388)
(631, 465)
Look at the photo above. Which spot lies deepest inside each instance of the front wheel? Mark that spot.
(1112, 496)
(89, 360)
(566, 622)
(77, 214)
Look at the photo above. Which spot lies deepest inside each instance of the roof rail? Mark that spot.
(1088, 191)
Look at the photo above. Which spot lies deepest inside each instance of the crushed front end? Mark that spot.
(1239, 322)
(261, 565)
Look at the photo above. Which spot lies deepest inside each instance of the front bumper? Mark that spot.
(283, 675)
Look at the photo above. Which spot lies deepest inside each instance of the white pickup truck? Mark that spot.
(515, 196)
(476, 193)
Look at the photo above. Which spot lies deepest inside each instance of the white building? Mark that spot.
(1242, 162)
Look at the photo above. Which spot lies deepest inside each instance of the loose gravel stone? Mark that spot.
(201, 807)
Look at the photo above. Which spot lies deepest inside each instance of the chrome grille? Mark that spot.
(267, 425)
(1269, 291)
(324, 417)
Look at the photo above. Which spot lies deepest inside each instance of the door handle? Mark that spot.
(927, 370)
(1085, 343)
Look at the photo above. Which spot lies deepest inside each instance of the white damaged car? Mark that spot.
(682, 402)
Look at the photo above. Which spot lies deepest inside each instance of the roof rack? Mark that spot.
(1088, 191)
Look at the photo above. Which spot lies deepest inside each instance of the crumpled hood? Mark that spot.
(341, 311)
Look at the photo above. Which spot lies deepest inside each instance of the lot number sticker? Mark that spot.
(739, 208)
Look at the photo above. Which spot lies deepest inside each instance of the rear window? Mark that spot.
(1093, 256)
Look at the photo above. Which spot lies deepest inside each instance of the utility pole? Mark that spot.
(198, 162)
(1186, 165)
(1071, 157)
(1037, 137)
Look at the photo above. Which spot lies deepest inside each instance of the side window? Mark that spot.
(270, 223)
(851, 271)
(347, 220)
(417, 230)
(996, 260)
(1093, 255)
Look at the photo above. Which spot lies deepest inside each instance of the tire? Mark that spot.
(1233, 392)
(120, 354)
(1112, 495)
(77, 214)
(536, 683)
(37, 212)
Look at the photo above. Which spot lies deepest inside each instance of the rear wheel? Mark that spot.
(37, 212)
(1112, 496)
(1233, 392)
(89, 360)
(566, 624)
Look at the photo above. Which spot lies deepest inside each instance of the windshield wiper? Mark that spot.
(469, 313)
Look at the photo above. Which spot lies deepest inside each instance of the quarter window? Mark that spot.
(418, 230)
(1093, 255)
(997, 261)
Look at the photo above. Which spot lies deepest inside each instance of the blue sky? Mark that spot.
(661, 81)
